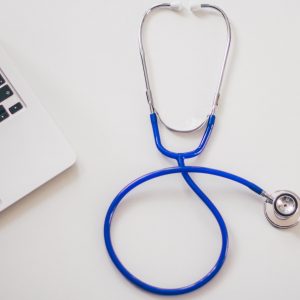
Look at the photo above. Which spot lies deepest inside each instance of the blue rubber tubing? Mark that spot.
(184, 170)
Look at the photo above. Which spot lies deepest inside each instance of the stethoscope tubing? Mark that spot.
(277, 218)
(184, 170)
(181, 168)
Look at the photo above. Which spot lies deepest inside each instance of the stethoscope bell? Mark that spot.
(282, 209)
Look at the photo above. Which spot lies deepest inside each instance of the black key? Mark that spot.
(2, 109)
(2, 81)
(5, 92)
(15, 107)
(3, 113)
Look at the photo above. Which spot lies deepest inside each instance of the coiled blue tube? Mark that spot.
(184, 170)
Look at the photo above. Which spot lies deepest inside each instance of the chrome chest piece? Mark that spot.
(282, 209)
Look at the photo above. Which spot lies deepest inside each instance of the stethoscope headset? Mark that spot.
(281, 208)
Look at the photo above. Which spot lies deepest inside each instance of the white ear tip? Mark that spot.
(195, 7)
(176, 5)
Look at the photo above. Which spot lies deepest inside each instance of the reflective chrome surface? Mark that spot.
(282, 209)
(285, 205)
(176, 7)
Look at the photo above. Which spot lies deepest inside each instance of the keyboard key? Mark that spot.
(2, 81)
(5, 92)
(13, 109)
(3, 113)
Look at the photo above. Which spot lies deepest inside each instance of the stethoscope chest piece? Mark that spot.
(282, 209)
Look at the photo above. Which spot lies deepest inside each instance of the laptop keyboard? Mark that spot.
(10, 102)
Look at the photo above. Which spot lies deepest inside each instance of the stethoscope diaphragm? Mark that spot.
(282, 209)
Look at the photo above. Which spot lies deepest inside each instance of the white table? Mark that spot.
(81, 59)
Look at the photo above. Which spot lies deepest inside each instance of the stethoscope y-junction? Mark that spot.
(281, 208)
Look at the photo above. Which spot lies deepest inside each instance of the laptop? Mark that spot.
(32, 150)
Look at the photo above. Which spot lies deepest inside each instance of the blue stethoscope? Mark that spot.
(281, 208)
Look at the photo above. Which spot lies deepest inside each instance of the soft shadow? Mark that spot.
(36, 197)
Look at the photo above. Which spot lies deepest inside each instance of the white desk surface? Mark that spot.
(81, 59)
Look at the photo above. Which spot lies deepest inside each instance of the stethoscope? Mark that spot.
(281, 208)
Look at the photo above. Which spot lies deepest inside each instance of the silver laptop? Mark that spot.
(32, 149)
